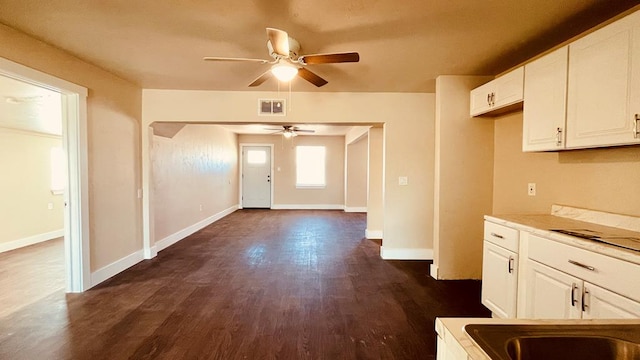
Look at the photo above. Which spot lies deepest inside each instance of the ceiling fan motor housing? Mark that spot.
(294, 49)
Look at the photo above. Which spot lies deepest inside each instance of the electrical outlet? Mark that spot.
(531, 189)
(200, 207)
(403, 180)
(50, 206)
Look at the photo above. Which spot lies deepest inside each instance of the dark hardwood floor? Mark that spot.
(257, 284)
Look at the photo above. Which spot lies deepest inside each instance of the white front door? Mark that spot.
(256, 177)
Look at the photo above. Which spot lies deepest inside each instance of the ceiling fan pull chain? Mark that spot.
(290, 96)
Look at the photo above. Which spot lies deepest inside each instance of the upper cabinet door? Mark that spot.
(499, 95)
(545, 96)
(481, 99)
(509, 88)
(604, 91)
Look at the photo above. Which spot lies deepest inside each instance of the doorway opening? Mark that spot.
(73, 185)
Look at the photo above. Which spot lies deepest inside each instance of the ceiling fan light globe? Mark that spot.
(287, 134)
(284, 72)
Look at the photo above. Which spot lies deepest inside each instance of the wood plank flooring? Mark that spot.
(30, 274)
(258, 284)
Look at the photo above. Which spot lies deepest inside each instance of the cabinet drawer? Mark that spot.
(500, 235)
(616, 275)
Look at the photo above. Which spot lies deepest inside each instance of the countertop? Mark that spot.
(453, 329)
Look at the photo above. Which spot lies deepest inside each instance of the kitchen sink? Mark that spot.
(566, 342)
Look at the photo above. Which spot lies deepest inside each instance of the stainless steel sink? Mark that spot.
(566, 342)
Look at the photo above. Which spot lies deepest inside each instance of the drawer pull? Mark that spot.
(590, 268)
(497, 235)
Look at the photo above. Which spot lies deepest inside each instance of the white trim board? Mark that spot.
(406, 254)
(179, 235)
(433, 271)
(307, 207)
(362, 209)
(116, 267)
(373, 234)
(20, 243)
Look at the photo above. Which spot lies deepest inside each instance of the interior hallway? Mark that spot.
(30, 274)
(256, 284)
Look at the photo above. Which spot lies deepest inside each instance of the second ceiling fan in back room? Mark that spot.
(287, 61)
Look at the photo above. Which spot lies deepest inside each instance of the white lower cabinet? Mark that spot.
(553, 294)
(600, 303)
(499, 280)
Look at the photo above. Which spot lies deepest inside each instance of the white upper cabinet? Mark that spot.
(545, 94)
(498, 95)
(603, 101)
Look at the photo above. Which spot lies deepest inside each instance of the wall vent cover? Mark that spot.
(271, 107)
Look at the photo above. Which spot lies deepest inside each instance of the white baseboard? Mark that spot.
(373, 234)
(116, 267)
(177, 236)
(406, 254)
(16, 244)
(355, 209)
(307, 207)
(433, 271)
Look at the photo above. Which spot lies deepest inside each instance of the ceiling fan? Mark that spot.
(289, 131)
(287, 61)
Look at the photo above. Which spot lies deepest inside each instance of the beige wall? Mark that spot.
(600, 179)
(408, 144)
(26, 180)
(284, 181)
(113, 111)
(356, 179)
(197, 167)
(463, 179)
(375, 206)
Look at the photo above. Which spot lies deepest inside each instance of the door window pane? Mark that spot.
(256, 156)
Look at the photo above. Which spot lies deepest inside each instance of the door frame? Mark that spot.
(241, 157)
(76, 197)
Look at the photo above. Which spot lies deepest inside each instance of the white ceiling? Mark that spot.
(404, 45)
(30, 108)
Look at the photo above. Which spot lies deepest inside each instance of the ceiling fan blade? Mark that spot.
(330, 58)
(260, 79)
(215, 58)
(306, 131)
(312, 77)
(279, 41)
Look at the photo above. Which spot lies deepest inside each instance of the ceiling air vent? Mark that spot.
(271, 107)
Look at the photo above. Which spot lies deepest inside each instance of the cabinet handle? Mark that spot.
(574, 287)
(497, 235)
(559, 136)
(493, 99)
(636, 127)
(590, 268)
(489, 99)
(510, 265)
(584, 295)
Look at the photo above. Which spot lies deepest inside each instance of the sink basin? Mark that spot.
(566, 342)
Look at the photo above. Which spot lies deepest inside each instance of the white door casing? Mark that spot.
(74, 138)
(256, 176)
